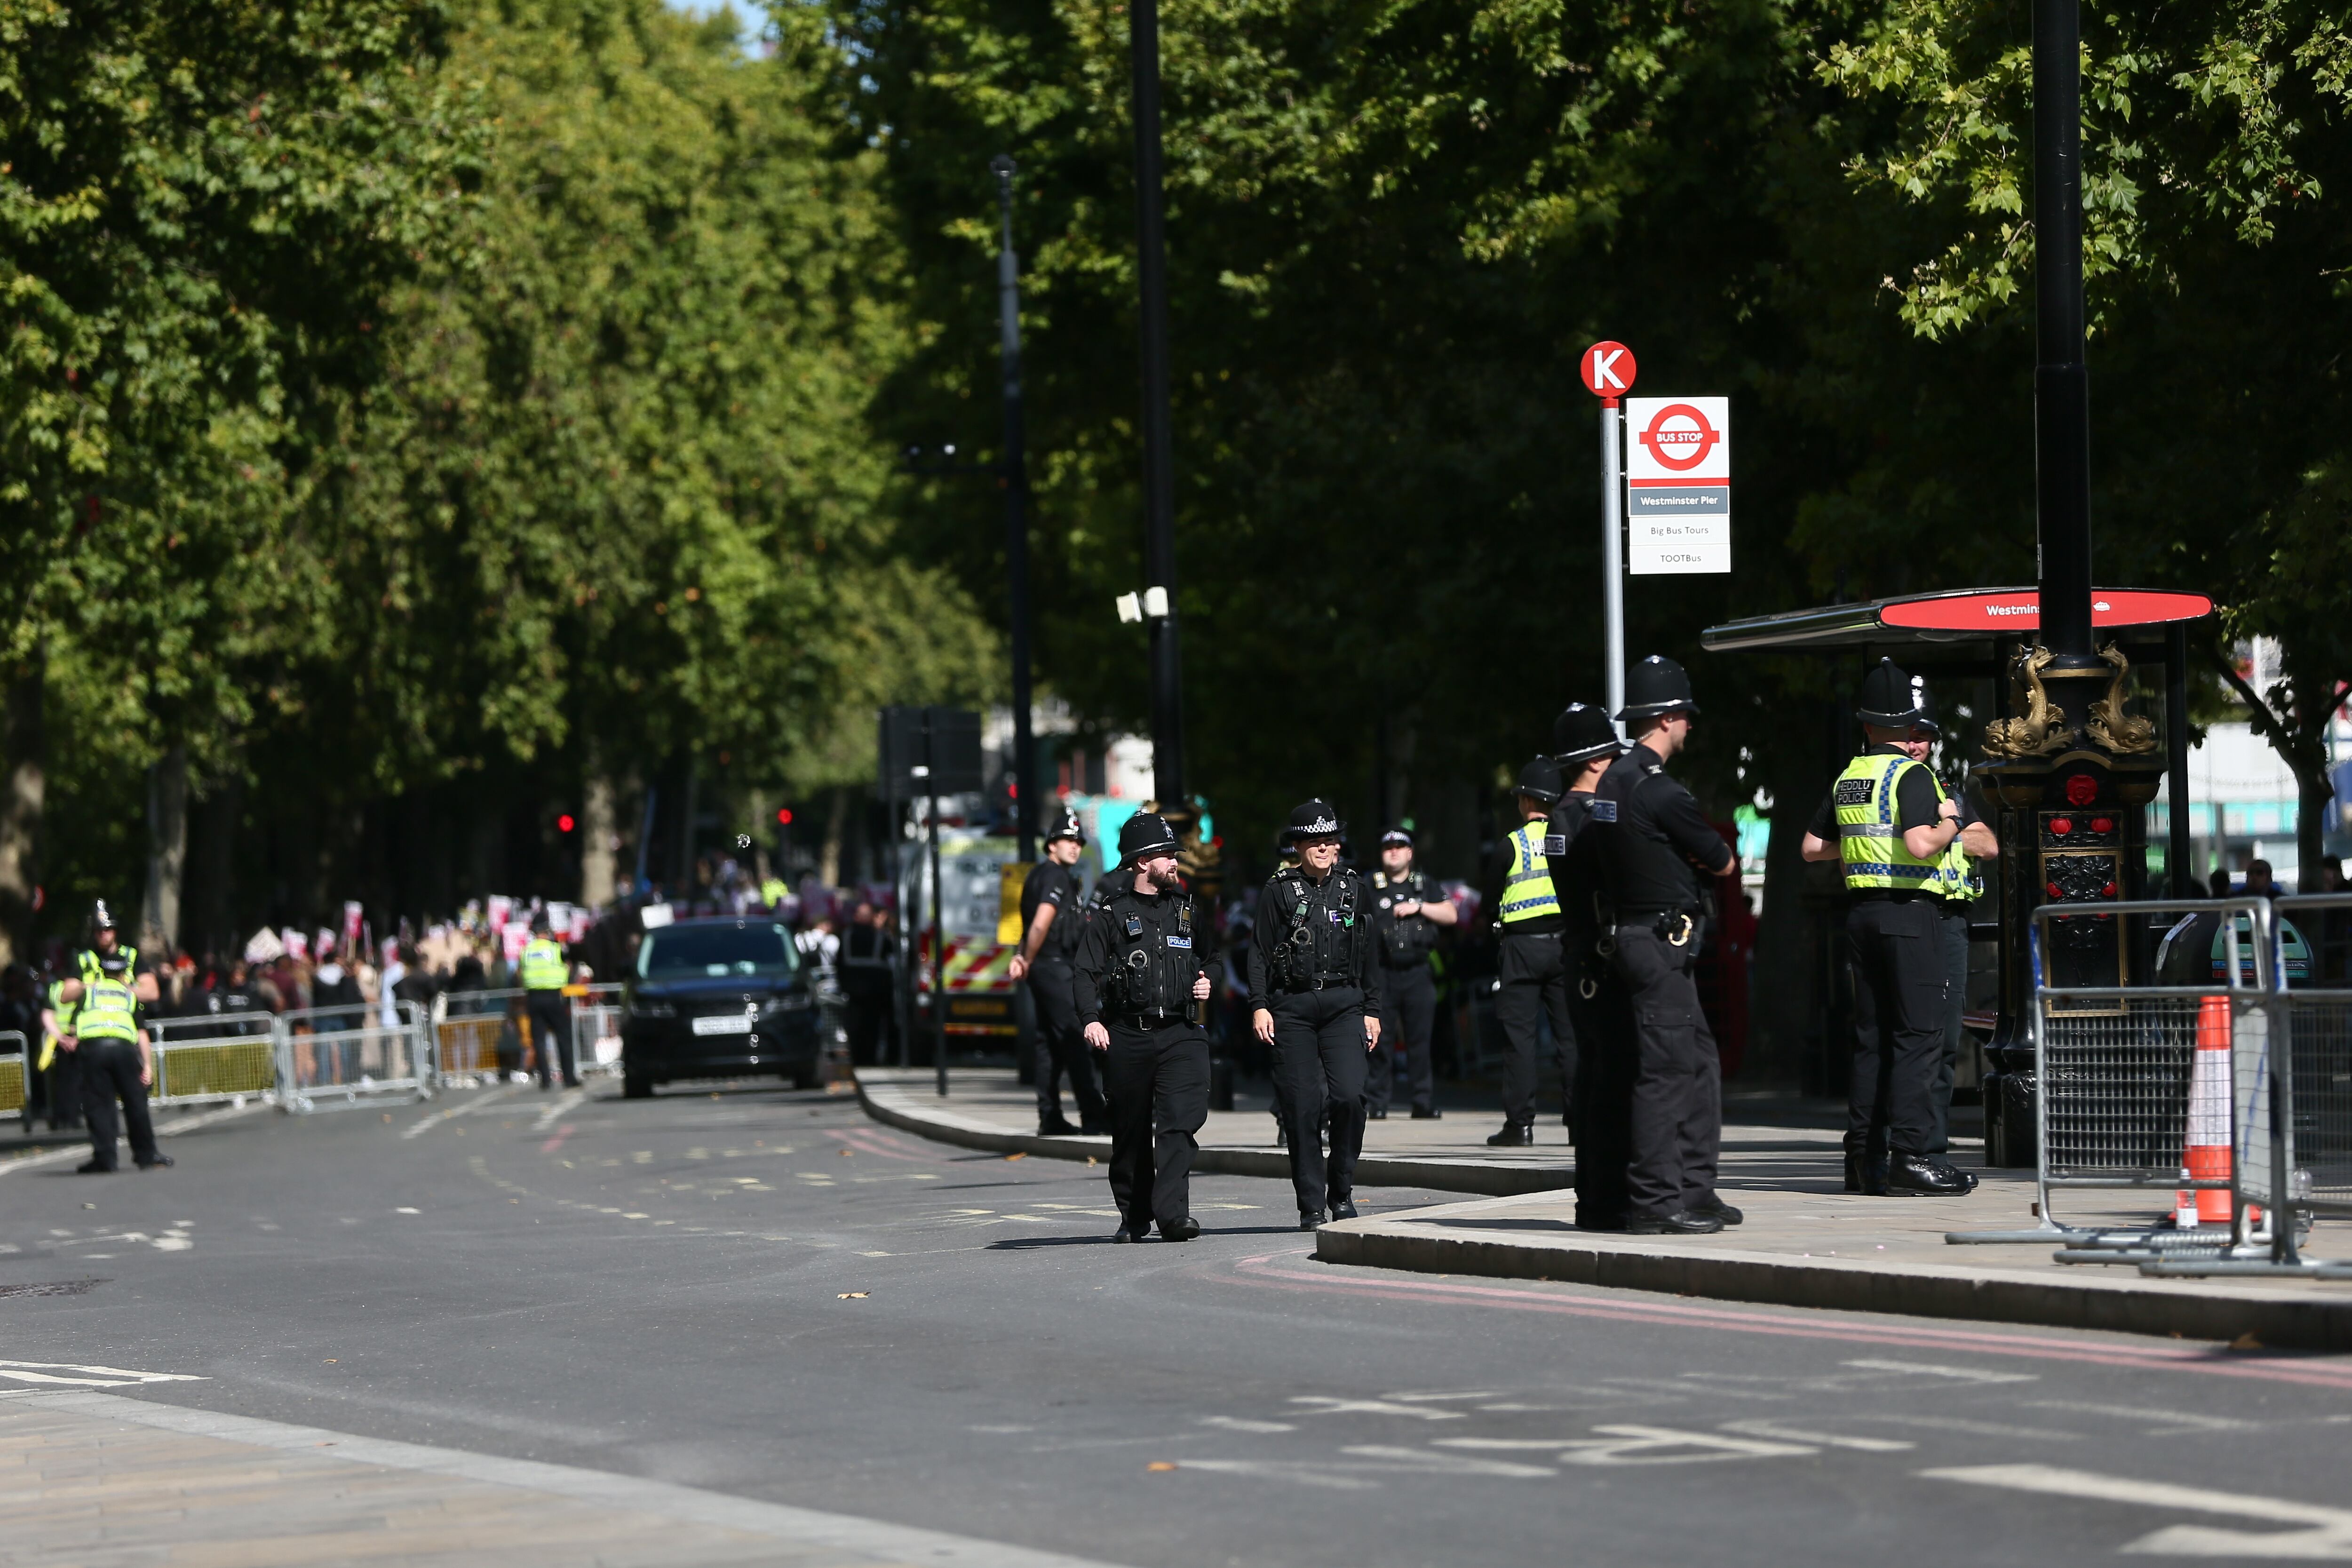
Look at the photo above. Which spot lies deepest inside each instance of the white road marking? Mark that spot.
(1630, 1445)
(426, 1124)
(803, 1528)
(557, 1107)
(1322, 1405)
(1427, 1461)
(1432, 1398)
(50, 1372)
(1982, 1428)
(2171, 1422)
(1758, 1428)
(2327, 1535)
(173, 1130)
(1955, 1373)
(1237, 1424)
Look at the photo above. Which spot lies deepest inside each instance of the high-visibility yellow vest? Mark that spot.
(543, 968)
(64, 1011)
(1959, 877)
(109, 1010)
(1528, 893)
(1872, 847)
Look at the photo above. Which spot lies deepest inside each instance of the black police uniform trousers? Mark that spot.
(1677, 1101)
(1319, 1056)
(108, 1069)
(1896, 947)
(1952, 936)
(550, 1033)
(1157, 1072)
(1408, 1015)
(1061, 1045)
(1608, 1061)
(1531, 983)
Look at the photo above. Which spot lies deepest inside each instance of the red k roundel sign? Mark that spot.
(1608, 370)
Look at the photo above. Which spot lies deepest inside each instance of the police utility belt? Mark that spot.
(1673, 924)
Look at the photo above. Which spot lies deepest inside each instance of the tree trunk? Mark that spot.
(167, 851)
(2317, 804)
(600, 838)
(24, 747)
(836, 823)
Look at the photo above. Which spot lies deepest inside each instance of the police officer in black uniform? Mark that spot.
(1409, 909)
(1651, 837)
(1142, 975)
(1315, 986)
(1600, 1104)
(1050, 921)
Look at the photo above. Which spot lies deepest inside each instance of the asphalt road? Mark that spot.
(764, 1293)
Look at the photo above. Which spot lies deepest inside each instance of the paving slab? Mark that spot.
(1805, 1241)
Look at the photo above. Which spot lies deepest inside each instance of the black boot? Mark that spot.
(1865, 1173)
(1926, 1177)
(1513, 1135)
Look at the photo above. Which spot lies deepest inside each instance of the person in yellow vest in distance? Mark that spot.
(1960, 883)
(56, 1067)
(1888, 823)
(545, 973)
(1530, 975)
(99, 1026)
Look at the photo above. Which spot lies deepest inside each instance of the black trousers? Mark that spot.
(1897, 948)
(1159, 1101)
(1608, 1062)
(1061, 1048)
(1531, 983)
(1677, 1121)
(1408, 1013)
(1320, 1060)
(550, 1032)
(108, 1070)
(869, 1020)
(1952, 924)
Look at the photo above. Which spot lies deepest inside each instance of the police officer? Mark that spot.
(1408, 911)
(1650, 839)
(544, 975)
(1960, 883)
(1600, 1102)
(1141, 973)
(99, 1026)
(1050, 920)
(1888, 823)
(1314, 989)
(1530, 977)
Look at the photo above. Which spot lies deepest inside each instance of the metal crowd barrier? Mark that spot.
(348, 1054)
(213, 1057)
(15, 1078)
(466, 1027)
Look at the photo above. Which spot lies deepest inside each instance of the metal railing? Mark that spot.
(467, 1027)
(349, 1055)
(15, 1078)
(213, 1057)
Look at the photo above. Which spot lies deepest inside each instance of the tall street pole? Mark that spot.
(2062, 388)
(1015, 480)
(1158, 480)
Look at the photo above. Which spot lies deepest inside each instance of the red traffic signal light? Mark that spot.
(563, 823)
(785, 816)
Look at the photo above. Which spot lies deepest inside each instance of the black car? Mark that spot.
(719, 999)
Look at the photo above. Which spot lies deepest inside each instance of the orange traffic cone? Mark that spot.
(2206, 1156)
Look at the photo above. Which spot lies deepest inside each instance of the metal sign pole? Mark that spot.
(939, 901)
(1612, 553)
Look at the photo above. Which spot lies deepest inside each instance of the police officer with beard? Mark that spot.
(1050, 922)
(1651, 837)
(1142, 972)
(1315, 985)
(1601, 1103)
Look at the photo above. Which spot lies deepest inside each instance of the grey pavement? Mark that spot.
(761, 1298)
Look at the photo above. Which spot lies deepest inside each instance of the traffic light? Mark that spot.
(564, 824)
(785, 816)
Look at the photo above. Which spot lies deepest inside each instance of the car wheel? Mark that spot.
(634, 1086)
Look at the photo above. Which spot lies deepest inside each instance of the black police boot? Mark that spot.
(1121, 1236)
(93, 1168)
(1343, 1208)
(1055, 1126)
(1513, 1135)
(1926, 1176)
(1865, 1173)
(1718, 1209)
(158, 1162)
(1377, 1113)
(1186, 1229)
(1309, 1220)
(1426, 1113)
(1682, 1222)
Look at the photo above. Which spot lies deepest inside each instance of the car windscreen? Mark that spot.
(715, 952)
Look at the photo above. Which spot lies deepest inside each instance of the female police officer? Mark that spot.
(1316, 993)
(1142, 964)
